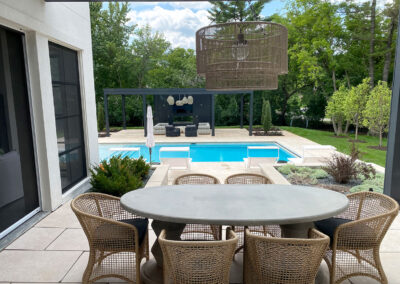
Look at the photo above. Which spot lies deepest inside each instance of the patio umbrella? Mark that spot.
(150, 143)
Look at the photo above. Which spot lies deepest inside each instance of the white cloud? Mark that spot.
(178, 26)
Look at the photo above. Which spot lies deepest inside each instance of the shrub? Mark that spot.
(314, 173)
(301, 178)
(319, 174)
(375, 183)
(287, 169)
(344, 168)
(266, 118)
(119, 175)
(100, 117)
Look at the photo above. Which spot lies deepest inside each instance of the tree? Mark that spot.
(372, 44)
(266, 116)
(148, 50)
(355, 103)
(236, 11)
(392, 12)
(110, 42)
(377, 111)
(335, 110)
(100, 117)
(176, 69)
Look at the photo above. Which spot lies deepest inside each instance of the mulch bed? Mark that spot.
(331, 184)
(258, 131)
(383, 148)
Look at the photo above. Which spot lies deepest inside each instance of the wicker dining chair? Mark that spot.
(283, 260)
(118, 240)
(356, 236)
(199, 231)
(197, 262)
(251, 178)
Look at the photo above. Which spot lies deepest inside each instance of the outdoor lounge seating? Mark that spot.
(118, 240)
(159, 128)
(191, 131)
(283, 260)
(356, 236)
(172, 131)
(199, 231)
(197, 262)
(204, 128)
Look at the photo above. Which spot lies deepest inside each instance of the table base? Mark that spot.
(299, 230)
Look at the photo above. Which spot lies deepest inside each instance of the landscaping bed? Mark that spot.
(319, 177)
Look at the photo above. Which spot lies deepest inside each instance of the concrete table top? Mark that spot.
(244, 205)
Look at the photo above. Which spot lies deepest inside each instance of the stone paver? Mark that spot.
(70, 239)
(36, 239)
(35, 266)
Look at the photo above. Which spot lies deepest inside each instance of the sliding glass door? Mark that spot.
(18, 182)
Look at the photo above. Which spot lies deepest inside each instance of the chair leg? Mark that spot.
(89, 268)
(379, 267)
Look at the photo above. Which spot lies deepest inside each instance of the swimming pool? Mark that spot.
(199, 152)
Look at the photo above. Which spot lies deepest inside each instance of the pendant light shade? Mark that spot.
(242, 55)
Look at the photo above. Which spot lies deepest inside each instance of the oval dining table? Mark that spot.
(293, 207)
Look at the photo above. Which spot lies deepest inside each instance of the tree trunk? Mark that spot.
(334, 80)
(380, 137)
(372, 44)
(356, 132)
(339, 127)
(346, 129)
(388, 55)
(334, 125)
(347, 79)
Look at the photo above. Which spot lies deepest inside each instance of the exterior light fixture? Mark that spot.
(242, 55)
(170, 100)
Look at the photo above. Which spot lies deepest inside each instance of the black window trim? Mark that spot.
(83, 146)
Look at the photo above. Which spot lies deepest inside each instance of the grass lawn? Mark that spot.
(342, 144)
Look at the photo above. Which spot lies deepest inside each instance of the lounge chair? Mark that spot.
(172, 131)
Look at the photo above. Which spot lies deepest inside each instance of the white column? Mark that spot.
(45, 135)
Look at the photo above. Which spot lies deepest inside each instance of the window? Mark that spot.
(68, 112)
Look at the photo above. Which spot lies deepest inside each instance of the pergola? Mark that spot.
(173, 92)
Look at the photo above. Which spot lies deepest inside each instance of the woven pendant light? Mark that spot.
(242, 55)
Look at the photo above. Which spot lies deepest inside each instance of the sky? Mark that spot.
(179, 21)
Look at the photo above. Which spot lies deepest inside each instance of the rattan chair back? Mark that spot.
(199, 231)
(283, 260)
(247, 178)
(197, 262)
(114, 245)
(196, 179)
(355, 246)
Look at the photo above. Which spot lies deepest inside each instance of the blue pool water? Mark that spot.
(199, 152)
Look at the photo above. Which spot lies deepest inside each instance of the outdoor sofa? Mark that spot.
(204, 128)
(159, 128)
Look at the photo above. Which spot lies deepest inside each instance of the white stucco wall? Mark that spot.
(67, 24)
